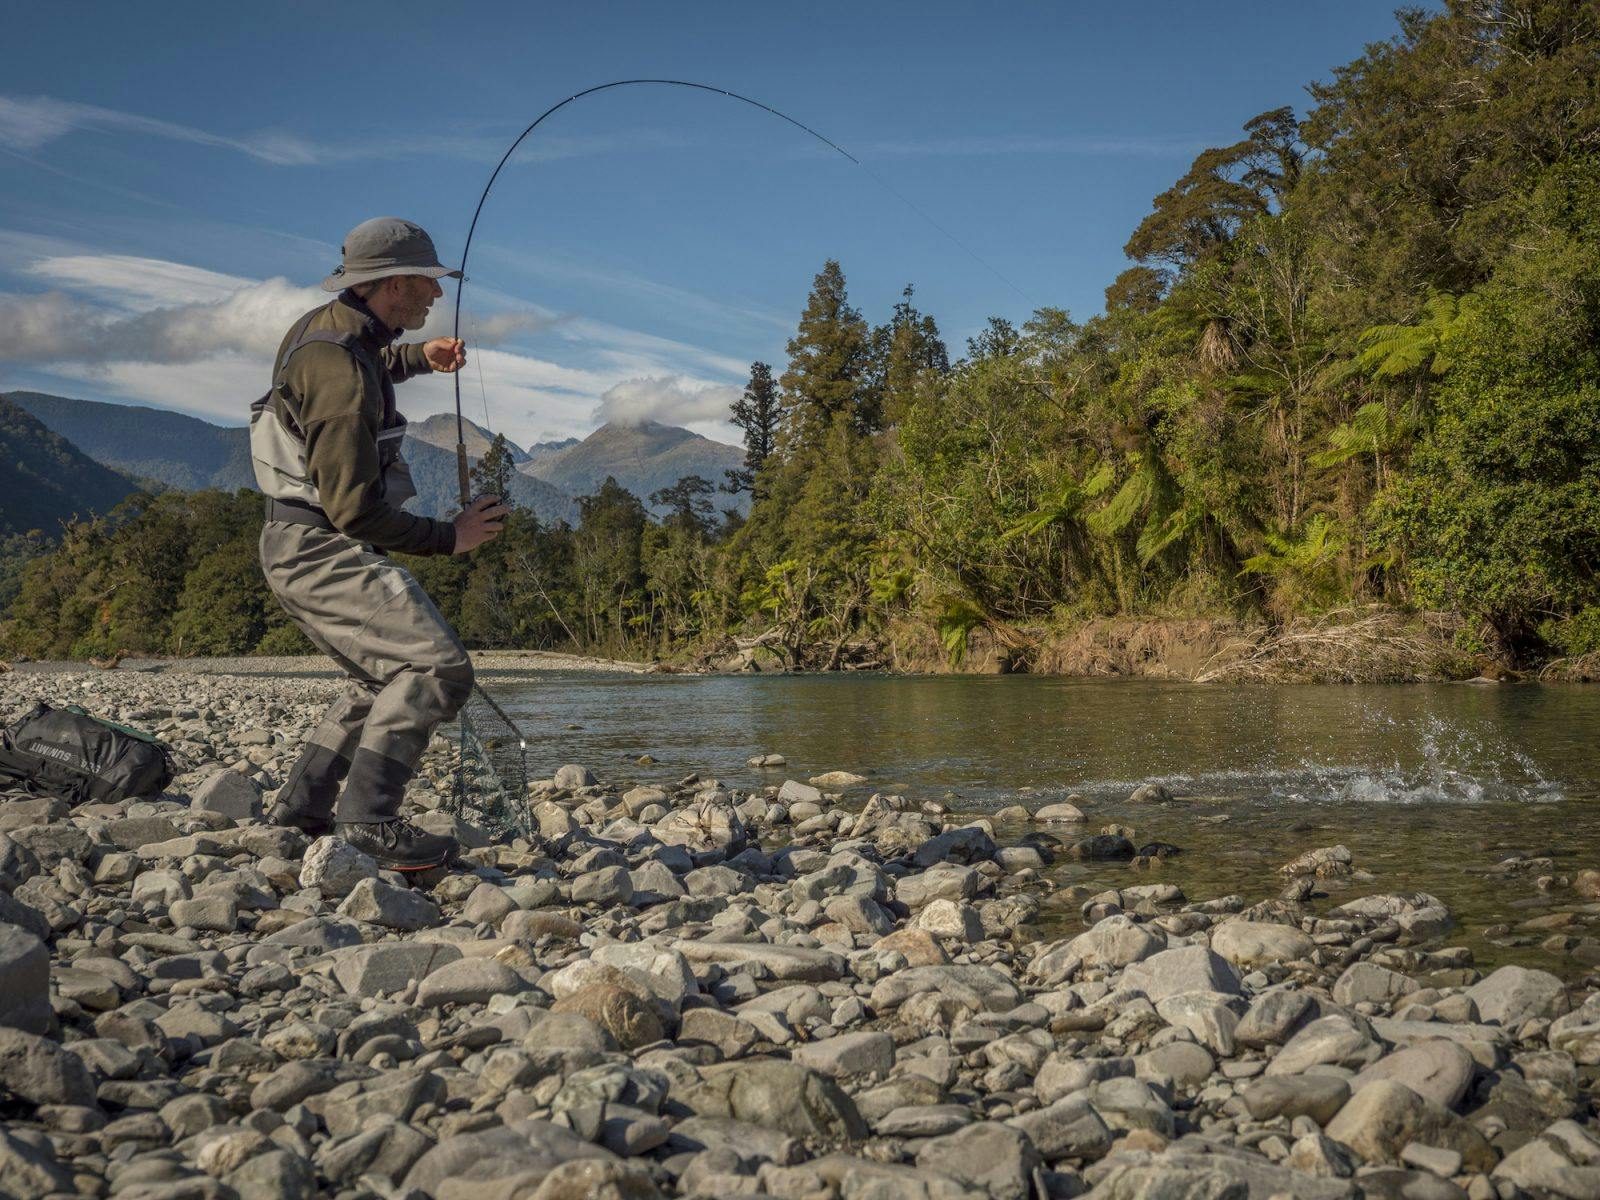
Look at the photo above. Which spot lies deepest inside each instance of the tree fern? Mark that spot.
(954, 619)
(1132, 498)
(1064, 506)
(1393, 351)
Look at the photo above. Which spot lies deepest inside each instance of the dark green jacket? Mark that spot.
(342, 403)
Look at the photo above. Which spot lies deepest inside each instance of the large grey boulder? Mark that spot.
(229, 793)
(1114, 942)
(42, 1071)
(1125, 1104)
(526, 1150)
(1314, 1095)
(1384, 1117)
(980, 988)
(794, 963)
(1185, 969)
(1274, 1017)
(1260, 943)
(994, 1159)
(1513, 995)
(334, 866)
(1186, 1175)
(469, 981)
(25, 968)
(1336, 1040)
(28, 1167)
(708, 822)
(378, 903)
(1365, 982)
(387, 967)
(780, 1095)
(1069, 1128)
(1437, 1070)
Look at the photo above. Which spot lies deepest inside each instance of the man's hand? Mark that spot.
(445, 354)
(481, 522)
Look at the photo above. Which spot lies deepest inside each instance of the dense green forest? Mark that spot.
(1355, 361)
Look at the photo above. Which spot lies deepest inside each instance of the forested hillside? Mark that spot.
(45, 480)
(1354, 362)
(149, 443)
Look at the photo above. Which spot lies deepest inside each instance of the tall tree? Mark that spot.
(690, 510)
(757, 413)
(492, 474)
(906, 353)
(828, 360)
(1223, 188)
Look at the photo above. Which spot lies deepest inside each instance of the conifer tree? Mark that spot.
(905, 354)
(757, 413)
(690, 510)
(828, 361)
(494, 471)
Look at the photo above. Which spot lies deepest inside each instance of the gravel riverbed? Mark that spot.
(805, 990)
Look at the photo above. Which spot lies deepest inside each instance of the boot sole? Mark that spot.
(432, 866)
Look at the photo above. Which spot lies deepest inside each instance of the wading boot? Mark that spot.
(307, 824)
(398, 845)
(305, 802)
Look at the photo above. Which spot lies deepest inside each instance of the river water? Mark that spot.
(1432, 787)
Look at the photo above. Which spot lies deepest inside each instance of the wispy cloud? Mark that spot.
(128, 281)
(29, 123)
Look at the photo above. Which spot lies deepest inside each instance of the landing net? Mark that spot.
(491, 789)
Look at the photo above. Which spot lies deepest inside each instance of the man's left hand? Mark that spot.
(445, 354)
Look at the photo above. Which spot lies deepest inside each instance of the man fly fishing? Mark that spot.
(325, 443)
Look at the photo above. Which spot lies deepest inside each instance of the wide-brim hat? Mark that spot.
(382, 247)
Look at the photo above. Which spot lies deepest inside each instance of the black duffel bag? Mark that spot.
(65, 752)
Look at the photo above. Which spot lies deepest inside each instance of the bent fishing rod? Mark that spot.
(462, 472)
(461, 445)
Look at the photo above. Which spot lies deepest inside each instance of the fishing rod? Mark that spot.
(466, 249)
(462, 472)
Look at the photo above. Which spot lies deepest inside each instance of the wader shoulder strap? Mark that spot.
(346, 341)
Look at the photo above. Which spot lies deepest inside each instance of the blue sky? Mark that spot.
(173, 177)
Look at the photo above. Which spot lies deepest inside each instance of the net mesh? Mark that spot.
(491, 788)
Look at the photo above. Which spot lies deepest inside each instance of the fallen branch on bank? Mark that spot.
(1378, 647)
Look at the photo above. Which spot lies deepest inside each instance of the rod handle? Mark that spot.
(463, 476)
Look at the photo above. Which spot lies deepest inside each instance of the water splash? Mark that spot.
(1452, 765)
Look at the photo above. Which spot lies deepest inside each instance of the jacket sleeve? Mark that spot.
(339, 413)
(405, 361)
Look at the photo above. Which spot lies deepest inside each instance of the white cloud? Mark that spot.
(127, 281)
(218, 389)
(181, 337)
(671, 400)
(29, 122)
(52, 327)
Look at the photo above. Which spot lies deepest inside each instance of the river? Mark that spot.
(1439, 788)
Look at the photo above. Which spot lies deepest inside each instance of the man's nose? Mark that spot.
(437, 290)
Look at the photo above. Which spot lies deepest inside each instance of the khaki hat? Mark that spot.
(382, 247)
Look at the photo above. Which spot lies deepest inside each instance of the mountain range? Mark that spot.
(97, 448)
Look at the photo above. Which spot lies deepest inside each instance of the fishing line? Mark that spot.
(466, 249)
